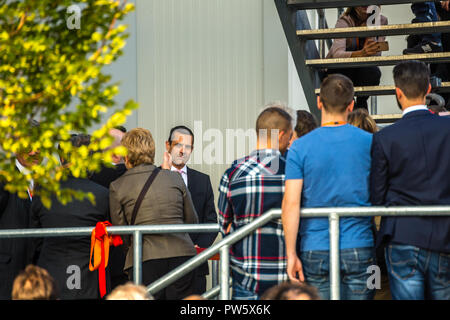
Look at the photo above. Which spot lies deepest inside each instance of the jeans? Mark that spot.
(426, 12)
(353, 267)
(417, 274)
(241, 293)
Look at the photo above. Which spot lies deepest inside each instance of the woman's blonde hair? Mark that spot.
(130, 291)
(140, 145)
(360, 118)
(34, 283)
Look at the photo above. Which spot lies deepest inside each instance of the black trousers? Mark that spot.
(154, 269)
(361, 77)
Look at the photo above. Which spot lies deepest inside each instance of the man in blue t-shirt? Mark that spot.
(330, 167)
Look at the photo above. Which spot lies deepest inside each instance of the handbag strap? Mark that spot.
(141, 196)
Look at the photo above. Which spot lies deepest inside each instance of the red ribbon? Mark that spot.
(214, 257)
(100, 242)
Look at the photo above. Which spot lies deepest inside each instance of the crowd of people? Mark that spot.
(342, 161)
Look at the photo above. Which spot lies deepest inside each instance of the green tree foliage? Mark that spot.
(48, 63)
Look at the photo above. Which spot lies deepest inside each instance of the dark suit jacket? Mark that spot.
(117, 255)
(106, 175)
(15, 254)
(199, 186)
(411, 167)
(59, 253)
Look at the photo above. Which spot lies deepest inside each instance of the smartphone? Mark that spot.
(383, 45)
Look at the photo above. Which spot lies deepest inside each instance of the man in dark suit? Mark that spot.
(104, 177)
(16, 254)
(67, 258)
(411, 167)
(179, 147)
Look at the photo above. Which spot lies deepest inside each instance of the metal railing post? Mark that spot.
(373, 105)
(137, 257)
(214, 273)
(334, 257)
(321, 14)
(224, 273)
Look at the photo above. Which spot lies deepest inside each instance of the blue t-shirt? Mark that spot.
(334, 163)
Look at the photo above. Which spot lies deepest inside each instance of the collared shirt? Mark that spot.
(183, 172)
(26, 171)
(414, 108)
(250, 187)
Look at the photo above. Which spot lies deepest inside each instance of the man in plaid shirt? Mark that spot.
(250, 187)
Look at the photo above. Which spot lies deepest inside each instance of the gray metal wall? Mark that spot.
(207, 64)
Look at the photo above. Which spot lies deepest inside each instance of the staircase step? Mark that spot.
(389, 90)
(321, 4)
(388, 30)
(439, 57)
(386, 118)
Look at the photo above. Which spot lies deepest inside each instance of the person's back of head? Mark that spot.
(77, 140)
(306, 122)
(129, 291)
(412, 82)
(291, 291)
(34, 283)
(336, 94)
(274, 125)
(141, 147)
(360, 118)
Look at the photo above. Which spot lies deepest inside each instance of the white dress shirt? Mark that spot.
(183, 173)
(25, 171)
(414, 108)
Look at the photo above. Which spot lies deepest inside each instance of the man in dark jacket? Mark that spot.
(179, 147)
(16, 254)
(67, 258)
(411, 167)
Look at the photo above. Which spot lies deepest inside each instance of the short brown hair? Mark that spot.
(306, 122)
(285, 289)
(336, 93)
(34, 283)
(129, 291)
(360, 118)
(273, 118)
(140, 145)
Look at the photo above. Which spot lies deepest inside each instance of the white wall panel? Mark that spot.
(203, 61)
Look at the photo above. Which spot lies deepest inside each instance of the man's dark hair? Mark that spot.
(282, 291)
(121, 128)
(77, 140)
(181, 129)
(273, 118)
(413, 78)
(306, 122)
(336, 93)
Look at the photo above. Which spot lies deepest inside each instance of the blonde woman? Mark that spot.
(166, 201)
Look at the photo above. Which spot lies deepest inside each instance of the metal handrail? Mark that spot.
(222, 246)
(333, 215)
(136, 231)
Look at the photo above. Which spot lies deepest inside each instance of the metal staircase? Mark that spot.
(310, 59)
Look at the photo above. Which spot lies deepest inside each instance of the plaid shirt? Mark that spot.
(252, 186)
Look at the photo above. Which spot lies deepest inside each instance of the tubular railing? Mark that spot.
(135, 231)
(223, 246)
(333, 215)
